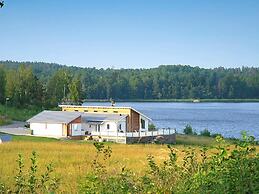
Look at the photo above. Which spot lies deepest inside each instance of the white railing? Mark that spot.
(135, 134)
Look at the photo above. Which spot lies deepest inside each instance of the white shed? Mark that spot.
(56, 124)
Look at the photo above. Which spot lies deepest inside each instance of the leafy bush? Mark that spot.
(32, 182)
(188, 130)
(151, 127)
(224, 171)
(214, 135)
(205, 132)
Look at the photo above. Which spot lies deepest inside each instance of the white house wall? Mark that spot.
(46, 129)
(113, 126)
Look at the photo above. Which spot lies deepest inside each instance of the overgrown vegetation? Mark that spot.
(188, 130)
(31, 181)
(18, 114)
(225, 171)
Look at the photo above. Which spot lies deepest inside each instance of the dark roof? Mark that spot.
(54, 117)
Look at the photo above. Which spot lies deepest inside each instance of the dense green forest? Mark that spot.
(45, 84)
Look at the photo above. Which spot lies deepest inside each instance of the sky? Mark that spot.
(131, 33)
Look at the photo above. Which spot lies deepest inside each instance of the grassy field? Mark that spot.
(73, 159)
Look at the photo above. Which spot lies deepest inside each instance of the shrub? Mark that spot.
(188, 130)
(151, 127)
(214, 135)
(205, 132)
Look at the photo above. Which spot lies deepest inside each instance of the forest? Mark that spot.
(47, 84)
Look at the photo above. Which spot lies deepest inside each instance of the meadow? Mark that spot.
(73, 160)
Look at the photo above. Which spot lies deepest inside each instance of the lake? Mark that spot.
(228, 119)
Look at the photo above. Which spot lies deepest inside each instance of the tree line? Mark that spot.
(21, 87)
(48, 84)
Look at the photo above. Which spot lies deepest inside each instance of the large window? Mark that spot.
(108, 126)
(143, 124)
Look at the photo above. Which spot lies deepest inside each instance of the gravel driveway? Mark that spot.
(16, 128)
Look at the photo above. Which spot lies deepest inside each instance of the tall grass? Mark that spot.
(71, 160)
(74, 160)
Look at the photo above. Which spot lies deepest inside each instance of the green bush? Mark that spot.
(205, 132)
(151, 127)
(188, 130)
(225, 171)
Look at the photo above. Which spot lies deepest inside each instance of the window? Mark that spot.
(120, 126)
(90, 126)
(76, 110)
(108, 126)
(115, 111)
(85, 110)
(95, 111)
(143, 124)
(105, 111)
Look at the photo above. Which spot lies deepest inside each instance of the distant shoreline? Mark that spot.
(176, 100)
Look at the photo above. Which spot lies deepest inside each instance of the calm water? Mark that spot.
(229, 119)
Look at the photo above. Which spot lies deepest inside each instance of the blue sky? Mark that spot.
(131, 33)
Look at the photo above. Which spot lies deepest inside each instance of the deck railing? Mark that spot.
(166, 131)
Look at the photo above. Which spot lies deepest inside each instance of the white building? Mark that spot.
(120, 124)
(56, 124)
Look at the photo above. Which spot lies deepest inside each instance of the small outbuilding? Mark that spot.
(56, 124)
